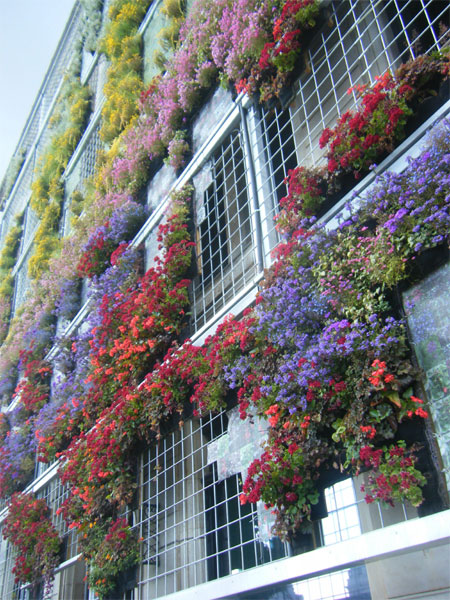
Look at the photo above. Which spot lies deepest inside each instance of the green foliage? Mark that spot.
(48, 188)
(122, 45)
(11, 175)
(116, 549)
(7, 261)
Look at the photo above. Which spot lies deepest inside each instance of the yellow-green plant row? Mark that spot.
(7, 262)
(48, 189)
(122, 46)
(11, 176)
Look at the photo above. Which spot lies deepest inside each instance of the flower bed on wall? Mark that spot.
(323, 355)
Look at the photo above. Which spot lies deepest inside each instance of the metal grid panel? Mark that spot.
(368, 38)
(42, 144)
(22, 285)
(8, 589)
(97, 80)
(192, 523)
(102, 76)
(32, 130)
(225, 248)
(31, 223)
(20, 198)
(194, 528)
(55, 493)
(62, 60)
(90, 152)
(92, 83)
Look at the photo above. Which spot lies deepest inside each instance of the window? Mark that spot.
(193, 525)
(225, 256)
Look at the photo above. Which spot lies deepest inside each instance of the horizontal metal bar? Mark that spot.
(416, 534)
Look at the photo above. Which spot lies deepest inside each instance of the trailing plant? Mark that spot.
(306, 192)
(174, 12)
(17, 456)
(280, 55)
(422, 76)
(322, 363)
(33, 389)
(322, 356)
(107, 239)
(393, 476)
(116, 552)
(225, 38)
(360, 137)
(134, 326)
(29, 528)
(279, 478)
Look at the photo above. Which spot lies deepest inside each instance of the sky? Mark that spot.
(29, 33)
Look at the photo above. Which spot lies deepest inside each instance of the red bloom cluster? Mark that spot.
(361, 136)
(280, 480)
(283, 51)
(34, 387)
(116, 552)
(394, 475)
(96, 255)
(379, 377)
(306, 192)
(279, 57)
(29, 527)
(136, 329)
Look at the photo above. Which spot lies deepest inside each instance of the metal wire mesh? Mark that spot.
(193, 526)
(22, 285)
(366, 39)
(8, 589)
(90, 152)
(225, 248)
(55, 493)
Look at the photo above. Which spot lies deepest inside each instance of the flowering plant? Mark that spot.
(17, 458)
(306, 192)
(421, 76)
(33, 389)
(47, 191)
(96, 254)
(361, 136)
(29, 527)
(116, 552)
(279, 478)
(296, 17)
(7, 261)
(328, 361)
(102, 247)
(280, 54)
(4, 426)
(121, 43)
(393, 476)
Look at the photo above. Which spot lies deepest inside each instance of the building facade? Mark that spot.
(197, 537)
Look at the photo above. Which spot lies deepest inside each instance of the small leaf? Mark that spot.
(394, 398)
